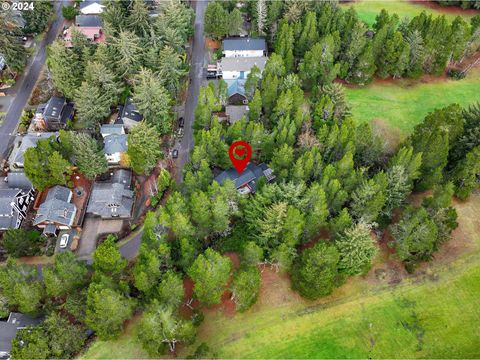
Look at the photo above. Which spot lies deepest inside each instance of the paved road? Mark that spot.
(27, 83)
(197, 78)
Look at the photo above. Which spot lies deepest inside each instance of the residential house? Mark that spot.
(57, 211)
(235, 112)
(115, 142)
(88, 25)
(91, 7)
(24, 142)
(236, 92)
(54, 114)
(238, 68)
(112, 198)
(9, 328)
(244, 47)
(16, 195)
(3, 62)
(246, 182)
(128, 115)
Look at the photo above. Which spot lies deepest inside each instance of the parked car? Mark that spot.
(181, 122)
(174, 153)
(64, 241)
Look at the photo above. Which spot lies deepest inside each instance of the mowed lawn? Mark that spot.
(367, 9)
(404, 103)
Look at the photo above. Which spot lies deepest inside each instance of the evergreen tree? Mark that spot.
(143, 148)
(357, 250)
(152, 100)
(66, 68)
(315, 274)
(363, 67)
(465, 174)
(246, 288)
(216, 20)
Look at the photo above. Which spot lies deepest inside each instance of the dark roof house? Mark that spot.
(94, 21)
(16, 195)
(129, 116)
(57, 211)
(54, 114)
(246, 181)
(113, 198)
(9, 328)
(245, 44)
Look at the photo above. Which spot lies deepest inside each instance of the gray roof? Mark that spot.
(248, 176)
(113, 198)
(54, 107)
(129, 111)
(18, 180)
(108, 129)
(9, 328)
(7, 196)
(242, 63)
(28, 141)
(235, 112)
(115, 143)
(245, 43)
(88, 21)
(56, 208)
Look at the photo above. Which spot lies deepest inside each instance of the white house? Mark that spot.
(244, 47)
(91, 7)
(115, 142)
(232, 68)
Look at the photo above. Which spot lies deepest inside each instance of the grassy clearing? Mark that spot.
(367, 9)
(404, 103)
(125, 347)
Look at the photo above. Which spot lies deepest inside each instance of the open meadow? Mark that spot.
(403, 103)
(367, 9)
(433, 313)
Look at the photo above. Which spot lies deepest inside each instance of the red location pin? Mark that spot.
(240, 153)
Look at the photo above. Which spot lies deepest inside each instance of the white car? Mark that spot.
(64, 241)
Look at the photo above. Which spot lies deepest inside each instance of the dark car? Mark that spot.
(181, 122)
(175, 153)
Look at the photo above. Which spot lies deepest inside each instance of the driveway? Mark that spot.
(93, 228)
(27, 83)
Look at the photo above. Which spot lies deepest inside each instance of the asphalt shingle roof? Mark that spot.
(115, 143)
(242, 63)
(245, 43)
(56, 208)
(88, 21)
(113, 198)
(9, 328)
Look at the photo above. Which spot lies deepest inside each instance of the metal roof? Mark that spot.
(244, 43)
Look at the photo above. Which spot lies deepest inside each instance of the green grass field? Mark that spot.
(433, 314)
(404, 103)
(367, 9)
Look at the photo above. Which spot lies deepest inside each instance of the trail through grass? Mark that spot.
(404, 103)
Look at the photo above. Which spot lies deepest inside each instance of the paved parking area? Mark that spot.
(72, 233)
(93, 227)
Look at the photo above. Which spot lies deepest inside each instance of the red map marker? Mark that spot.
(240, 153)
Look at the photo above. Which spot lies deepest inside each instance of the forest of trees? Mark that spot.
(142, 55)
(337, 186)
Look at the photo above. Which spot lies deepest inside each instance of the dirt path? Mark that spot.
(454, 10)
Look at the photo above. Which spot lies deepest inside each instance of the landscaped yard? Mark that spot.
(431, 314)
(367, 9)
(404, 103)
